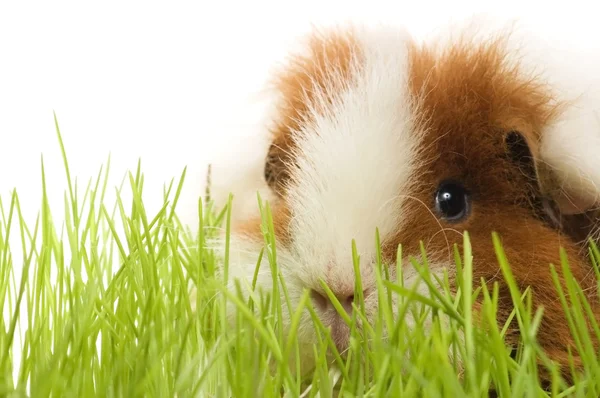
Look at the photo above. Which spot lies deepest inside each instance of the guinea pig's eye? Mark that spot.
(452, 201)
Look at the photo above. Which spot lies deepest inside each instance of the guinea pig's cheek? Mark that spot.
(244, 254)
(439, 265)
(243, 257)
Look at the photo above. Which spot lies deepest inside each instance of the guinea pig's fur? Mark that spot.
(369, 122)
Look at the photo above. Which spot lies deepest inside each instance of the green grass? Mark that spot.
(101, 306)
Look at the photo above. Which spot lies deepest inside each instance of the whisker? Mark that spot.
(429, 211)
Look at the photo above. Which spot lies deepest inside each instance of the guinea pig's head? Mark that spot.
(420, 142)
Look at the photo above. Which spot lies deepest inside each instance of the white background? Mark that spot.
(176, 83)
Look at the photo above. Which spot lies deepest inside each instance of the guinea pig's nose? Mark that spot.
(321, 300)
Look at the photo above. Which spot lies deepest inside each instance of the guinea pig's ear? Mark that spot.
(523, 152)
(564, 210)
(568, 193)
(276, 171)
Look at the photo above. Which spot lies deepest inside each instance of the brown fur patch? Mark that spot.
(471, 97)
(280, 214)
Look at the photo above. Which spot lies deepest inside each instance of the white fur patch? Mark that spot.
(572, 145)
(354, 162)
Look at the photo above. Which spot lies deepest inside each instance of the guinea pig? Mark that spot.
(421, 141)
